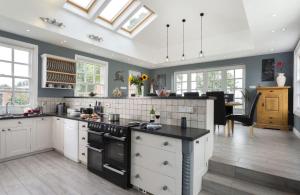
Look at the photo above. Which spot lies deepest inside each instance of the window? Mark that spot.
(227, 79)
(132, 88)
(91, 77)
(18, 74)
(297, 80)
(137, 19)
(114, 9)
(84, 5)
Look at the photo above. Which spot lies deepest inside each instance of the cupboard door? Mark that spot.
(58, 134)
(17, 141)
(2, 143)
(43, 133)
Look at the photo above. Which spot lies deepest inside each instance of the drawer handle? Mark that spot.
(83, 154)
(165, 188)
(165, 163)
(19, 122)
(137, 137)
(137, 176)
(42, 119)
(271, 91)
(83, 126)
(137, 154)
(166, 143)
(270, 117)
(8, 129)
(58, 119)
(3, 130)
(83, 138)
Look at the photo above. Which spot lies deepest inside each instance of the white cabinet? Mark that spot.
(42, 134)
(82, 155)
(156, 163)
(71, 139)
(2, 143)
(58, 134)
(17, 141)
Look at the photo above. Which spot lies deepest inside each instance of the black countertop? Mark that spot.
(147, 97)
(189, 134)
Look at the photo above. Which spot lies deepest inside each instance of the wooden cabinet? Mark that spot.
(272, 108)
(43, 133)
(17, 141)
(58, 134)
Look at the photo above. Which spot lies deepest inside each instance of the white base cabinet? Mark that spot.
(42, 134)
(83, 135)
(71, 139)
(58, 134)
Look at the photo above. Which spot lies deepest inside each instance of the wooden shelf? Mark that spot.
(58, 82)
(64, 73)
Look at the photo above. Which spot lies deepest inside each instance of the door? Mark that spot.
(71, 139)
(58, 134)
(43, 133)
(17, 141)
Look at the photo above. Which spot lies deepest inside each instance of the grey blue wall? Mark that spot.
(253, 66)
(44, 47)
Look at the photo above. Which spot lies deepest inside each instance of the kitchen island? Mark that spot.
(170, 160)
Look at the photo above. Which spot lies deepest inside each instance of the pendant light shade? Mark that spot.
(183, 55)
(201, 54)
(167, 57)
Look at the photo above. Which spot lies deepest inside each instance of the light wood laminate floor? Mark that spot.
(270, 151)
(51, 173)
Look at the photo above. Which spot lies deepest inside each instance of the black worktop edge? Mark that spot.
(146, 97)
(154, 132)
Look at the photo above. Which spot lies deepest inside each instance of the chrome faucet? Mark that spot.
(6, 107)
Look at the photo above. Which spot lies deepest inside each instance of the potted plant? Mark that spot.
(281, 79)
(138, 81)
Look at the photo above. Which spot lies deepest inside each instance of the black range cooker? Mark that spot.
(109, 150)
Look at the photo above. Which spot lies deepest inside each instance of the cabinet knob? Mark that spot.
(83, 138)
(83, 154)
(165, 163)
(83, 126)
(137, 154)
(271, 91)
(197, 142)
(166, 143)
(137, 137)
(3, 130)
(58, 119)
(8, 129)
(137, 176)
(19, 122)
(42, 119)
(165, 188)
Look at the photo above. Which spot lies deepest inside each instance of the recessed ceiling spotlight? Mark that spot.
(273, 31)
(53, 21)
(27, 30)
(64, 41)
(283, 29)
(274, 15)
(272, 49)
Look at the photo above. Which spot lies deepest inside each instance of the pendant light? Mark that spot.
(201, 54)
(183, 56)
(167, 57)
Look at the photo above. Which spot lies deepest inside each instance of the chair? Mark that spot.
(219, 107)
(229, 97)
(247, 119)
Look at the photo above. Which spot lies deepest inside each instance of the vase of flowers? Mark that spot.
(138, 82)
(281, 79)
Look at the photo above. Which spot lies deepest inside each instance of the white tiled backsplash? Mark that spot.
(171, 110)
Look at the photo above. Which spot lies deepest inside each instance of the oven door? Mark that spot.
(95, 139)
(95, 159)
(115, 153)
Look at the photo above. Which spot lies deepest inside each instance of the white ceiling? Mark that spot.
(232, 28)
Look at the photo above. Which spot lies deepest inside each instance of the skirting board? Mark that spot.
(296, 132)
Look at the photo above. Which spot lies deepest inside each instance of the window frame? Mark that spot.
(87, 10)
(296, 97)
(205, 71)
(141, 22)
(105, 64)
(119, 14)
(32, 70)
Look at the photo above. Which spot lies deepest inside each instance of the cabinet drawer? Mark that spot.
(83, 138)
(83, 154)
(163, 162)
(152, 182)
(83, 126)
(160, 142)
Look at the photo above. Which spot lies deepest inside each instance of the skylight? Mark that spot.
(82, 4)
(137, 19)
(114, 9)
